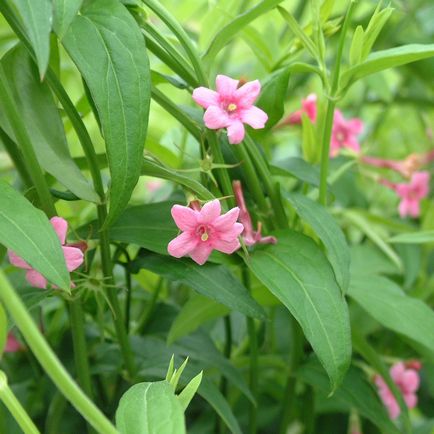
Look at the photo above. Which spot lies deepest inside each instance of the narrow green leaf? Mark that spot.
(354, 393)
(211, 280)
(26, 230)
(309, 140)
(189, 391)
(228, 32)
(64, 12)
(150, 408)
(193, 314)
(108, 48)
(3, 330)
(36, 17)
(413, 238)
(297, 168)
(356, 46)
(391, 307)
(42, 118)
(386, 59)
(296, 271)
(328, 230)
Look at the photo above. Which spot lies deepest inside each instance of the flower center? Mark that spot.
(231, 107)
(202, 231)
(340, 136)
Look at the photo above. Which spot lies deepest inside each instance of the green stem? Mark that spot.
(253, 368)
(146, 315)
(13, 405)
(328, 125)
(49, 360)
(25, 143)
(227, 353)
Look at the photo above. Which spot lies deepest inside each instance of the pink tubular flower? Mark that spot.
(308, 106)
(73, 255)
(407, 381)
(205, 230)
(231, 106)
(12, 344)
(249, 235)
(344, 133)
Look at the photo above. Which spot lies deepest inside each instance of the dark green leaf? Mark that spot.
(106, 44)
(211, 280)
(64, 12)
(327, 229)
(42, 118)
(26, 230)
(296, 271)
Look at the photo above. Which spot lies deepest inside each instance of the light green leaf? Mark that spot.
(296, 271)
(36, 17)
(150, 408)
(327, 229)
(193, 314)
(189, 391)
(64, 12)
(108, 48)
(413, 238)
(356, 46)
(42, 118)
(385, 59)
(26, 230)
(309, 141)
(391, 307)
(228, 32)
(211, 280)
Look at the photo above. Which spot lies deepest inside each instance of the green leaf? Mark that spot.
(228, 32)
(385, 59)
(309, 140)
(356, 46)
(296, 271)
(193, 314)
(211, 280)
(64, 12)
(108, 48)
(189, 391)
(3, 330)
(42, 118)
(26, 230)
(421, 237)
(354, 393)
(36, 17)
(328, 230)
(392, 308)
(150, 408)
(297, 168)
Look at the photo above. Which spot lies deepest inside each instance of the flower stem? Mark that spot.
(49, 360)
(13, 405)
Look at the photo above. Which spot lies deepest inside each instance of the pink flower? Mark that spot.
(407, 381)
(12, 344)
(308, 106)
(344, 133)
(412, 193)
(231, 107)
(73, 255)
(406, 167)
(205, 230)
(249, 235)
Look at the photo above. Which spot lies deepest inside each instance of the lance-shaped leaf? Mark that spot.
(26, 230)
(64, 12)
(36, 17)
(42, 119)
(296, 271)
(106, 45)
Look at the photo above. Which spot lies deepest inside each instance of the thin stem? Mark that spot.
(146, 315)
(25, 143)
(49, 360)
(14, 406)
(328, 125)
(227, 353)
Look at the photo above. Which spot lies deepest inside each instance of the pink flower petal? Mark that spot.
(353, 144)
(419, 184)
(73, 257)
(255, 117)
(216, 118)
(232, 233)
(60, 226)
(410, 399)
(201, 253)
(310, 107)
(185, 217)
(235, 132)
(226, 246)
(36, 279)
(226, 221)
(246, 95)
(355, 126)
(182, 245)
(210, 212)
(205, 97)
(17, 261)
(410, 381)
(397, 371)
(226, 86)
(12, 345)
